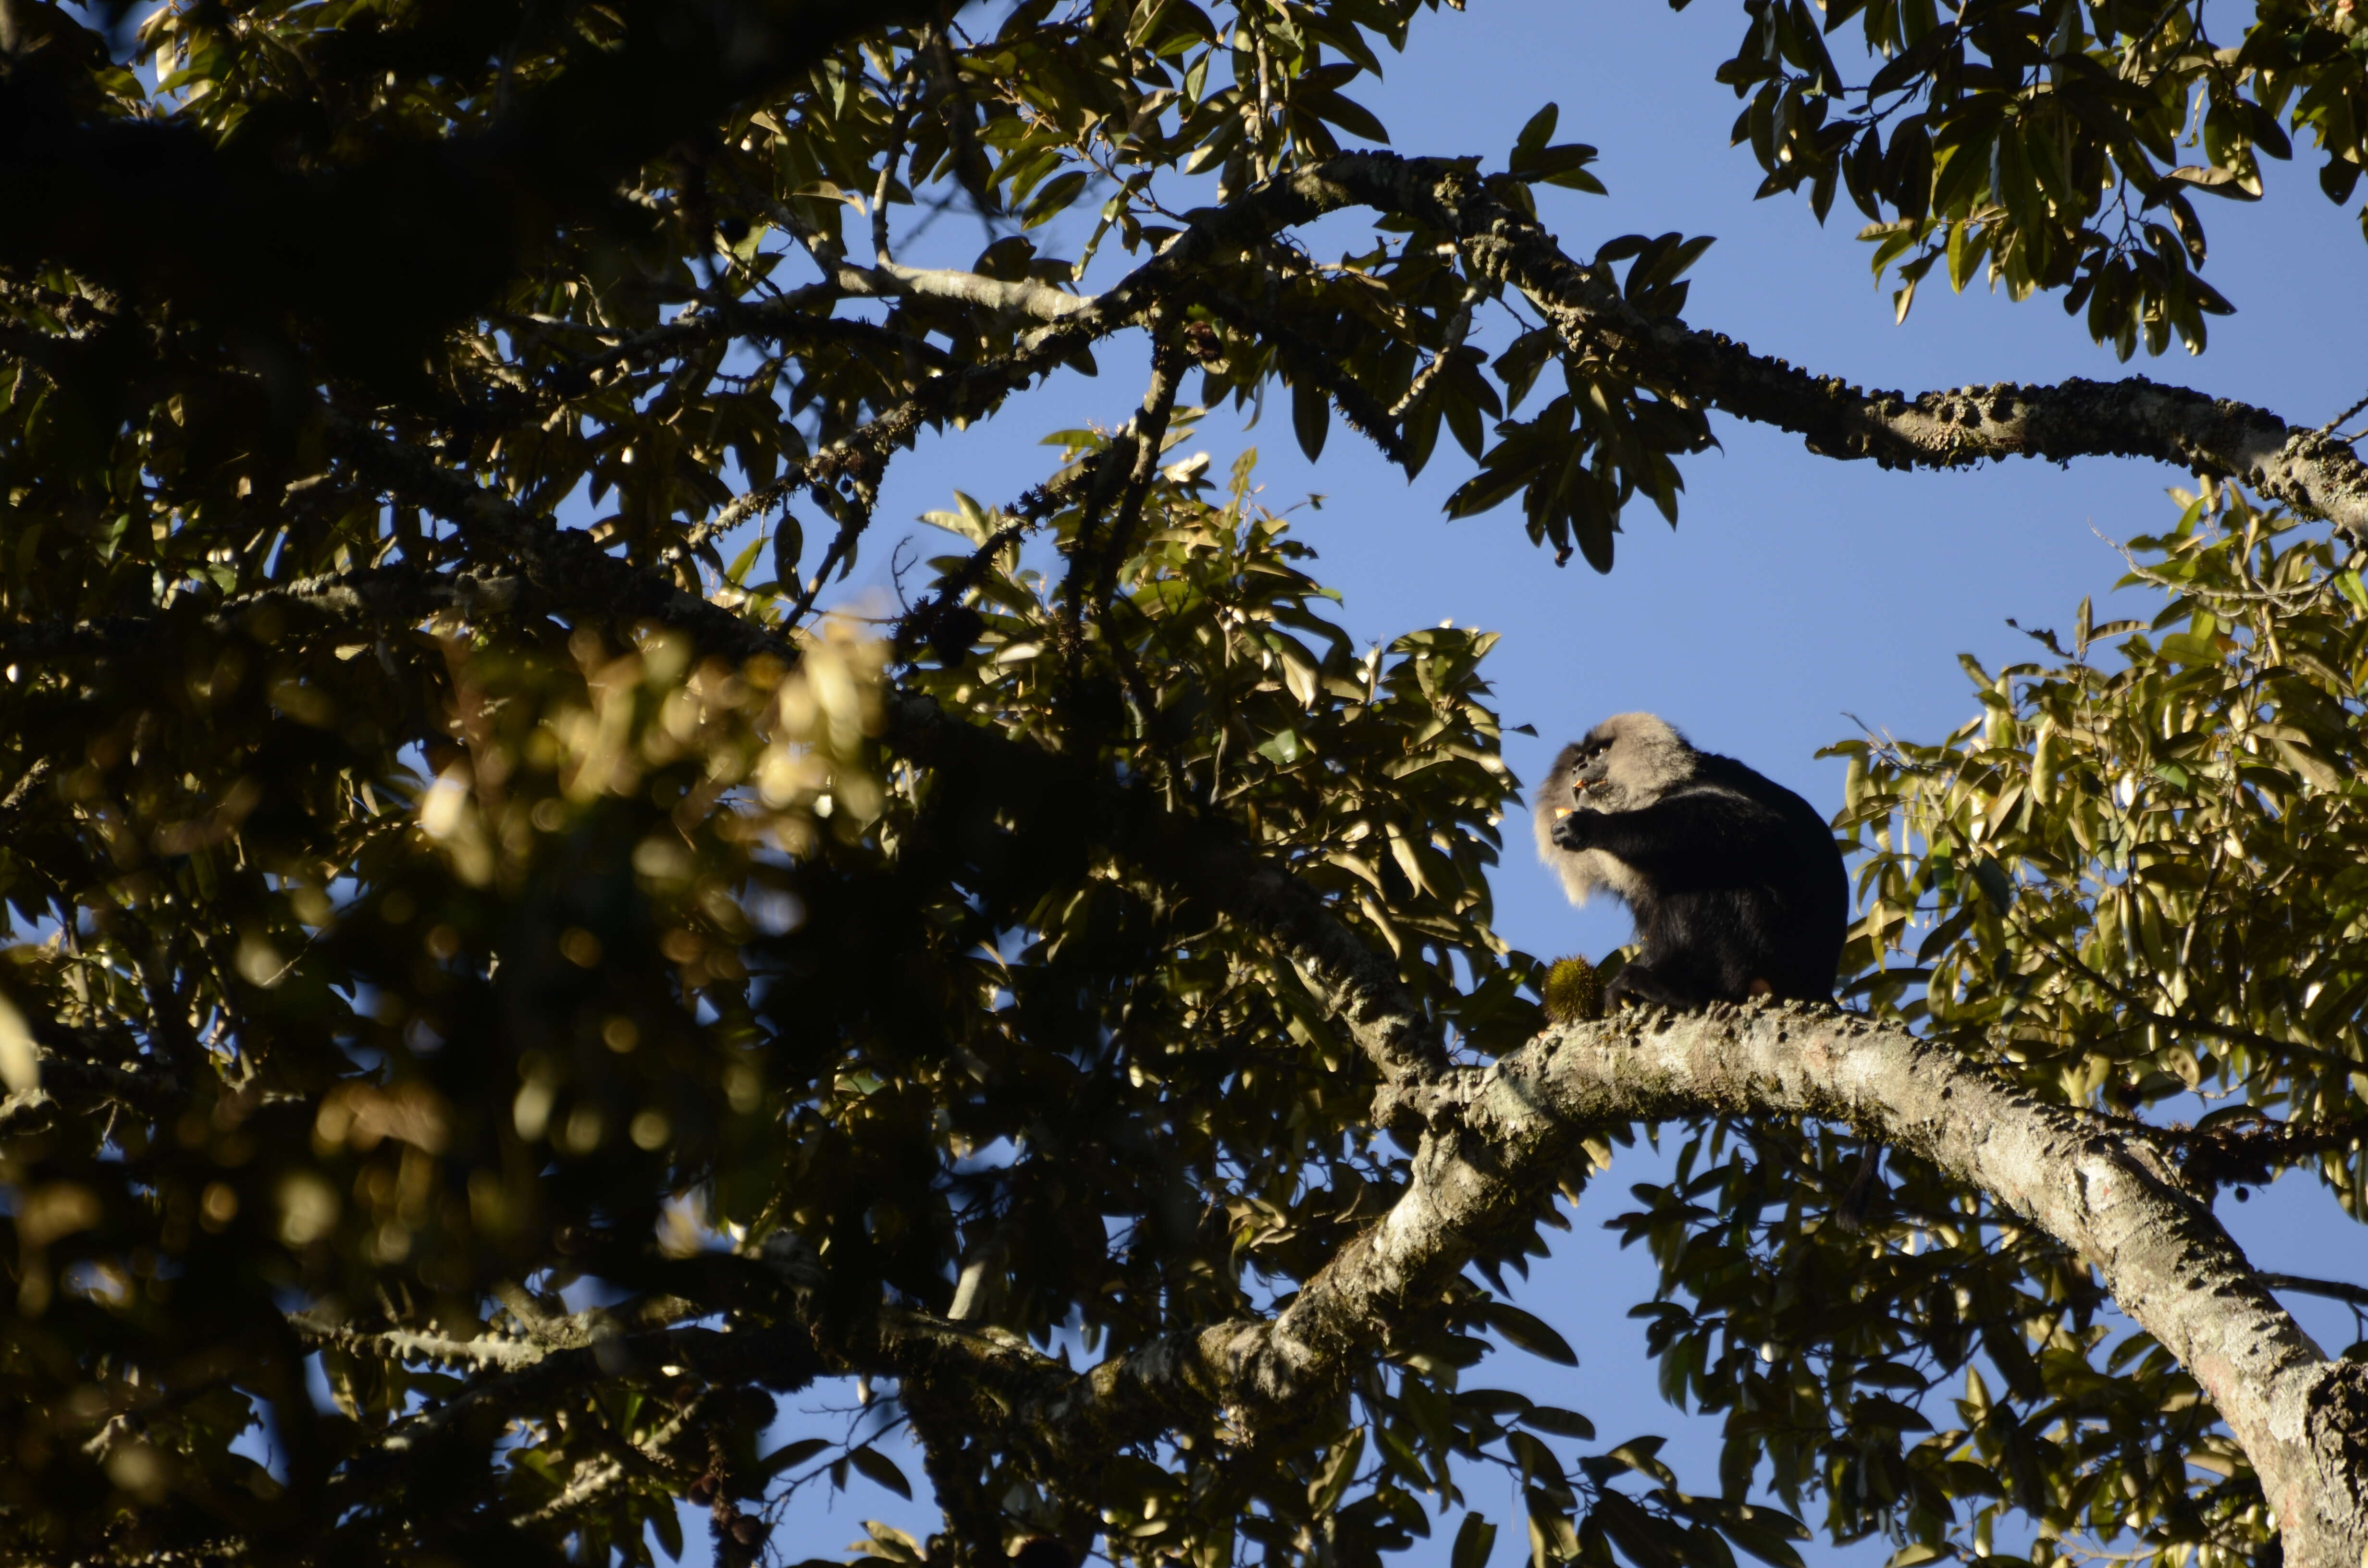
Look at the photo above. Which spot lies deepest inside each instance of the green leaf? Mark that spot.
(1283, 747)
(1567, 174)
(1912, 62)
(1537, 1461)
(1534, 134)
(1475, 1537)
(1311, 417)
(666, 1520)
(1324, 1493)
(1640, 1454)
(789, 549)
(1874, 1410)
(1343, 111)
(1528, 1333)
(792, 1455)
(1646, 1540)
(1053, 199)
(878, 1468)
(1754, 1537)
(891, 1543)
(1560, 1422)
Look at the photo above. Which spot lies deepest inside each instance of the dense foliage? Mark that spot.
(499, 985)
(2133, 881)
(2054, 146)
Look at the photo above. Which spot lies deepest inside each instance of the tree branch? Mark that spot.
(87, 195)
(563, 564)
(2333, 1289)
(2133, 417)
(1316, 364)
(789, 319)
(532, 1341)
(1123, 470)
(1041, 301)
(2114, 1198)
(2254, 1151)
(2105, 1192)
(363, 595)
(2312, 471)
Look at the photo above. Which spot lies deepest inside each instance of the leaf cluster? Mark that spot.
(2131, 883)
(2055, 145)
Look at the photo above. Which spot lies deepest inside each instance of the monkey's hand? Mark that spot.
(1575, 830)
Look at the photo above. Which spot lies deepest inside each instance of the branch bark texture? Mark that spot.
(2102, 1189)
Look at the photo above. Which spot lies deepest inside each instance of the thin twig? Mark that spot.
(2334, 1290)
(1458, 327)
(2329, 428)
(920, 623)
(907, 95)
(1168, 361)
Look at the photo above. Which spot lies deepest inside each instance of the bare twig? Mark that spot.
(2333, 1289)
(900, 124)
(1149, 428)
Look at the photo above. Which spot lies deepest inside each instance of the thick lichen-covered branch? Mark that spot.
(1502, 1136)
(529, 1339)
(2102, 1189)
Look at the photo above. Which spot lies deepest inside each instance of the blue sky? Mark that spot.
(1796, 592)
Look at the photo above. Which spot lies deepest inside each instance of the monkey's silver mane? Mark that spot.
(1646, 759)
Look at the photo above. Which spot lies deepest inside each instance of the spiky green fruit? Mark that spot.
(1574, 992)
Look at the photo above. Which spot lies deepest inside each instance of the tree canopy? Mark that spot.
(504, 979)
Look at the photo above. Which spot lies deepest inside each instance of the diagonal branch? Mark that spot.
(2111, 1196)
(2104, 1191)
(2133, 417)
(2333, 1289)
(1123, 471)
(2313, 472)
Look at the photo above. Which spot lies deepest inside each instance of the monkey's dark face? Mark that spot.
(1589, 765)
(1580, 786)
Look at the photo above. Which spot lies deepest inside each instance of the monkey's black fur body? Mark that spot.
(1734, 882)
